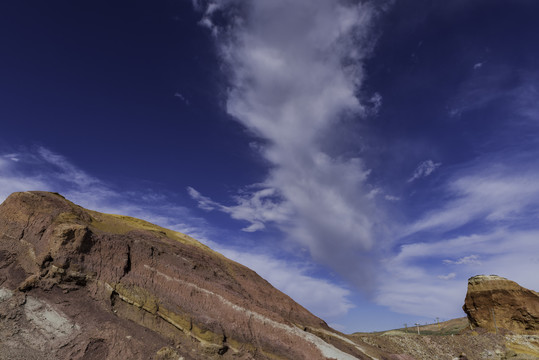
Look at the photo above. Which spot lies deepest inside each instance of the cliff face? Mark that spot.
(495, 302)
(79, 284)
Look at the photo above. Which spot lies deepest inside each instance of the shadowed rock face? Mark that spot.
(493, 301)
(79, 284)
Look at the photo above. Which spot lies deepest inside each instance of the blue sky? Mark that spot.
(366, 158)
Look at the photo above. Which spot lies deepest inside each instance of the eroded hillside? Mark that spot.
(78, 284)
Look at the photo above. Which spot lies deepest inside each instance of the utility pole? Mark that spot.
(438, 323)
(417, 324)
(405, 327)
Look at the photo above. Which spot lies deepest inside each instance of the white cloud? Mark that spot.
(424, 169)
(478, 65)
(12, 157)
(10, 184)
(374, 192)
(258, 208)
(376, 103)
(392, 198)
(471, 259)
(294, 70)
(204, 202)
(447, 277)
(11, 179)
(182, 98)
(67, 171)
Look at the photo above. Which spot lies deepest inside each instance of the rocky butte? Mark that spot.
(78, 284)
(500, 305)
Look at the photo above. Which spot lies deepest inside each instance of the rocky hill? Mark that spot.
(497, 304)
(78, 284)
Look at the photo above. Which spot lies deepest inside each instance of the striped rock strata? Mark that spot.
(78, 284)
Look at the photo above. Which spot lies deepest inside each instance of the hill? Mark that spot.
(78, 284)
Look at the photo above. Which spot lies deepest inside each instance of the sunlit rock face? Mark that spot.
(498, 304)
(78, 284)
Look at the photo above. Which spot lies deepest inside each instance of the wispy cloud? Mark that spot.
(182, 98)
(424, 169)
(376, 103)
(258, 208)
(502, 87)
(494, 194)
(447, 277)
(294, 71)
(21, 172)
(67, 171)
(43, 169)
(471, 259)
(481, 90)
(478, 65)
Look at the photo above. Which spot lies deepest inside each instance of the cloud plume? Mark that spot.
(295, 68)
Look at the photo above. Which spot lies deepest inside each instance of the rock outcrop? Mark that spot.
(497, 304)
(78, 284)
